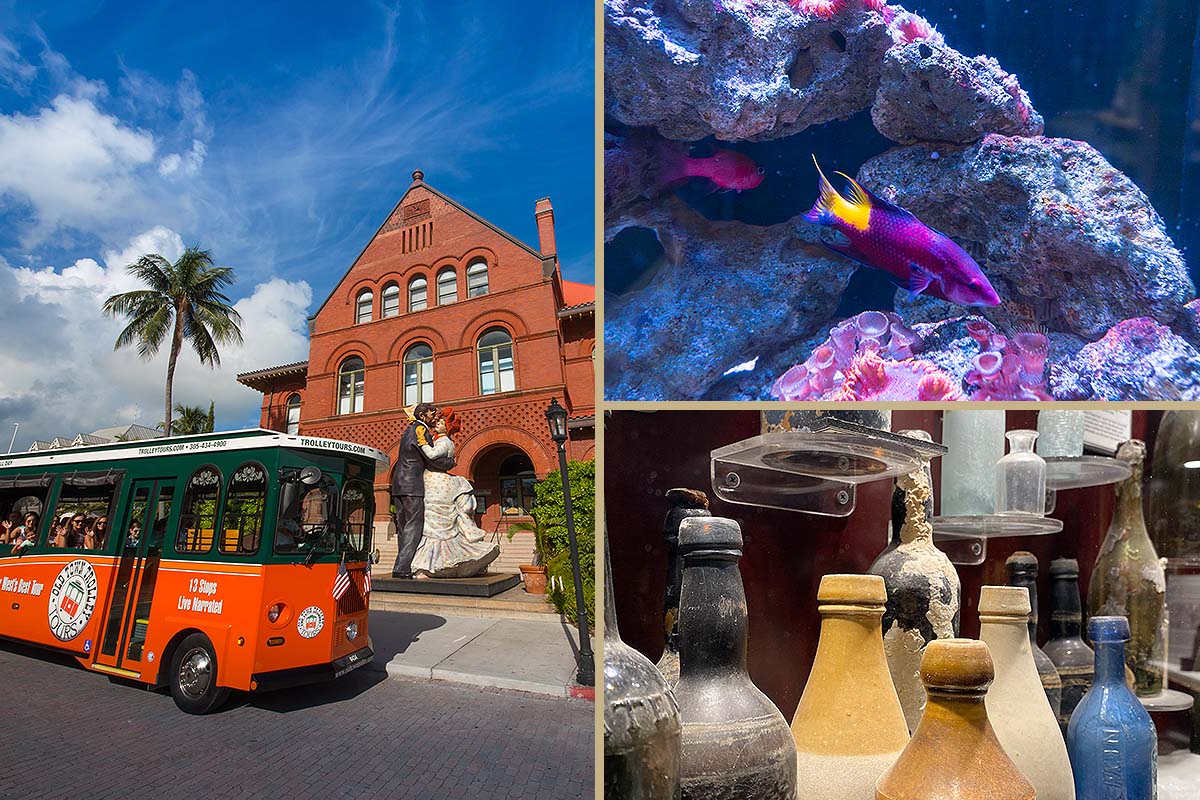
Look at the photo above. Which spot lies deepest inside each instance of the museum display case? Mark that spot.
(819, 503)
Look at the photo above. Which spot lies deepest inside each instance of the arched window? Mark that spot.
(391, 301)
(293, 414)
(362, 306)
(477, 279)
(418, 294)
(418, 375)
(245, 505)
(447, 287)
(351, 376)
(198, 521)
(496, 362)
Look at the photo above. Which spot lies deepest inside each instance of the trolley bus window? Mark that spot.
(22, 509)
(356, 515)
(305, 514)
(245, 505)
(198, 522)
(86, 498)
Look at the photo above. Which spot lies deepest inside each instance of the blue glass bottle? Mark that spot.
(1111, 740)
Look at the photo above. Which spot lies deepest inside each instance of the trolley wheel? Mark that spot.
(194, 676)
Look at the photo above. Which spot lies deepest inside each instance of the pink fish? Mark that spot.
(883, 236)
(727, 169)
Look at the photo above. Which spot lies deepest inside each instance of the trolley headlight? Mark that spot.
(274, 612)
(352, 631)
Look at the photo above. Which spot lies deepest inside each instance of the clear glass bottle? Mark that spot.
(954, 753)
(849, 727)
(1073, 659)
(1174, 514)
(641, 719)
(735, 742)
(1128, 580)
(1016, 704)
(1111, 738)
(974, 442)
(924, 594)
(1022, 569)
(684, 503)
(1021, 477)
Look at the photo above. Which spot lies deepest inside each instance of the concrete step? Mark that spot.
(515, 603)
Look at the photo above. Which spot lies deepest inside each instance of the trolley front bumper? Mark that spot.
(300, 676)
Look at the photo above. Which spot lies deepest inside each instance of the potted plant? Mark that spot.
(534, 575)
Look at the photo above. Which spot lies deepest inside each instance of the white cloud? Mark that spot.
(60, 375)
(186, 164)
(73, 164)
(15, 72)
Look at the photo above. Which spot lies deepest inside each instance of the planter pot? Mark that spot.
(534, 578)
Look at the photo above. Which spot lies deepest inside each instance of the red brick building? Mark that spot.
(442, 306)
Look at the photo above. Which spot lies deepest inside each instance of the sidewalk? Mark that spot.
(524, 654)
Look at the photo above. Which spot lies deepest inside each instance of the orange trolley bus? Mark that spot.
(202, 563)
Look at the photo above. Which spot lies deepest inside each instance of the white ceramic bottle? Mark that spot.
(1016, 704)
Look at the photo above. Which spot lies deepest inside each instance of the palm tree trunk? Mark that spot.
(176, 345)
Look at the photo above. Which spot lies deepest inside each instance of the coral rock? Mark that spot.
(726, 290)
(870, 377)
(932, 93)
(738, 69)
(1137, 360)
(1067, 240)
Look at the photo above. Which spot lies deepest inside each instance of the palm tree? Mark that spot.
(185, 300)
(191, 419)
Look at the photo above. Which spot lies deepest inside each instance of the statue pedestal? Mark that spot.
(485, 585)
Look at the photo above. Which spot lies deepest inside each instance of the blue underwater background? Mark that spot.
(1122, 76)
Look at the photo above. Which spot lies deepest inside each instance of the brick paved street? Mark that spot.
(72, 733)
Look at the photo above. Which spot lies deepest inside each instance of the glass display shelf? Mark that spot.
(1081, 472)
(1167, 700)
(964, 539)
(814, 470)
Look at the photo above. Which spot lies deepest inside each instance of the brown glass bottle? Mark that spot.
(641, 719)
(954, 753)
(849, 727)
(736, 743)
(684, 503)
(1023, 571)
(1074, 660)
(1128, 580)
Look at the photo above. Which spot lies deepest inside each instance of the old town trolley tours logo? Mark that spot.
(310, 622)
(72, 599)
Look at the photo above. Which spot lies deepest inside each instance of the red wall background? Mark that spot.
(786, 553)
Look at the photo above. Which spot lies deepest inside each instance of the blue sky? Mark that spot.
(278, 135)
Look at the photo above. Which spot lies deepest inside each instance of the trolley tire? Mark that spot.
(193, 677)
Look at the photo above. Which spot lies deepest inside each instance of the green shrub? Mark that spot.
(549, 513)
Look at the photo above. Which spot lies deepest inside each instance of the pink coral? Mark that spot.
(908, 27)
(1008, 369)
(844, 358)
(825, 9)
(870, 377)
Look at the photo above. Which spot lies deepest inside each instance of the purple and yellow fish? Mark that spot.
(884, 236)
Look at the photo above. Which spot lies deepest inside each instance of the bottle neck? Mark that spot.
(1029, 581)
(1066, 611)
(675, 570)
(917, 523)
(1128, 520)
(1110, 663)
(713, 626)
(610, 608)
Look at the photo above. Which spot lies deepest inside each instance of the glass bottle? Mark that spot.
(1021, 477)
(923, 591)
(1128, 580)
(684, 503)
(1111, 738)
(1024, 722)
(974, 442)
(1023, 571)
(849, 727)
(735, 743)
(641, 719)
(954, 753)
(1174, 518)
(1073, 659)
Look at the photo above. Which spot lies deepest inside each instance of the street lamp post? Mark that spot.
(556, 415)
